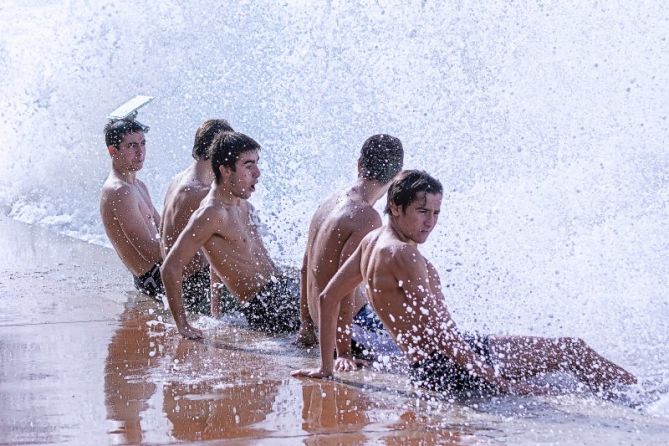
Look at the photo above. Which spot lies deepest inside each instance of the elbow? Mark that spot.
(324, 302)
(169, 270)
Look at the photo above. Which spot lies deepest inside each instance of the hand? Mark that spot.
(189, 332)
(306, 337)
(311, 373)
(346, 364)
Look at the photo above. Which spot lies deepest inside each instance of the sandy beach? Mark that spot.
(86, 360)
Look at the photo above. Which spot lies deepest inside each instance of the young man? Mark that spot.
(335, 231)
(183, 197)
(224, 226)
(404, 289)
(129, 217)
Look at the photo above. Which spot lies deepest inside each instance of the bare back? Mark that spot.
(183, 197)
(336, 229)
(131, 223)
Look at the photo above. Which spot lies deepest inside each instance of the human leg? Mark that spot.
(522, 357)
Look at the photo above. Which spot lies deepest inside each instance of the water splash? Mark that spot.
(547, 124)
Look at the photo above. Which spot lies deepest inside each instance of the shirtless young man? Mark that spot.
(335, 231)
(404, 289)
(225, 227)
(183, 197)
(129, 217)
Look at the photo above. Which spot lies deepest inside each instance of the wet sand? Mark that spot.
(84, 359)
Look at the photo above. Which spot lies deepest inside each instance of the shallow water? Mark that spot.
(97, 363)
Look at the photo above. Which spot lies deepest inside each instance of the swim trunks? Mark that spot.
(276, 308)
(442, 374)
(150, 282)
(367, 319)
(369, 339)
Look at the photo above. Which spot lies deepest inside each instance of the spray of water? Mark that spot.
(547, 124)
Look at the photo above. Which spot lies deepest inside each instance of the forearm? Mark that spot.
(328, 326)
(172, 278)
(344, 327)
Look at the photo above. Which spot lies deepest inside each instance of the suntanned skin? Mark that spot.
(129, 217)
(405, 291)
(224, 228)
(335, 231)
(184, 195)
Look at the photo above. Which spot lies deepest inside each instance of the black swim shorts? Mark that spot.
(150, 282)
(442, 374)
(276, 308)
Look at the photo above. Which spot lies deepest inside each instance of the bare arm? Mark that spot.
(135, 227)
(346, 279)
(199, 229)
(363, 224)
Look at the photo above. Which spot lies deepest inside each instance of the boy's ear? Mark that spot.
(113, 151)
(225, 171)
(394, 210)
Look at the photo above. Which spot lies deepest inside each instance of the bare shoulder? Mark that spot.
(404, 257)
(359, 218)
(210, 212)
(190, 194)
(115, 190)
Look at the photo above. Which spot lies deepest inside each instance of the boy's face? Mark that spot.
(420, 217)
(131, 151)
(245, 176)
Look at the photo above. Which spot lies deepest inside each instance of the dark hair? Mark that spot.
(381, 157)
(408, 185)
(116, 129)
(226, 149)
(205, 135)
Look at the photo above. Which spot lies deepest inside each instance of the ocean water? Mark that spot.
(546, 123)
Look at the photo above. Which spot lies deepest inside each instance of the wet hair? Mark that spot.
(404, 190)
(226, 149)
(381, 157)
(116, 129)
(205, 134)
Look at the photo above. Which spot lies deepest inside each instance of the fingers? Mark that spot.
(345, 365)
(190, 333)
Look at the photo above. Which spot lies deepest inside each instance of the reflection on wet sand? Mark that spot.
(236, 386)
(329, 407)
(202, 396)
(134, 349)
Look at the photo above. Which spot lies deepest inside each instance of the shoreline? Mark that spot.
(86, 359)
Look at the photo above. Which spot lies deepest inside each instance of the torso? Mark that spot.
(129, 255)
(409, 320)
(236, 251)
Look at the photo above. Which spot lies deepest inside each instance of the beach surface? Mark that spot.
(84, 359)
